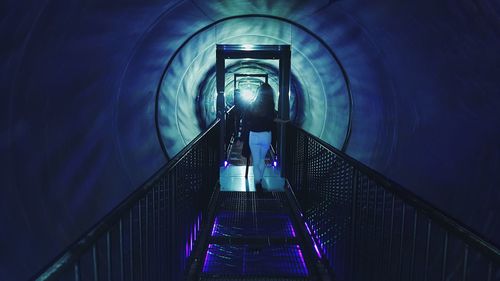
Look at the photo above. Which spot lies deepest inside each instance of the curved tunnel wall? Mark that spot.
(324, 100)
(79, 80)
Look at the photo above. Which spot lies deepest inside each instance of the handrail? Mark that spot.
(446, 221)
(84, 243)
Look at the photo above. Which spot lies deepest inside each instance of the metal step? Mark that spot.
(236, 261)
(248, 278)
(252, 224)
(252, 202)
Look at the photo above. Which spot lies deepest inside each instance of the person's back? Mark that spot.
(261, 113)
(260, 124)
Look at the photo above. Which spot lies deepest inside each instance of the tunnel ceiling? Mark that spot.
(85, 84)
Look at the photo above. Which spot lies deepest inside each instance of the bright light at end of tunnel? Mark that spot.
(248, 47)
(247, 95)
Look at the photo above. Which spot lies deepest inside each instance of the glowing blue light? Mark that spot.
(275, 163)
(317, 250)
(194, 231)
(208, 257)
(225, 163)
(308, 230)
(302, 258)
(214, 227)
(313, 240)
(198, 223)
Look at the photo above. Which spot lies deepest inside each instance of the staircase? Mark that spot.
(253, 238)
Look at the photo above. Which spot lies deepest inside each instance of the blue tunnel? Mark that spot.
(96, 96)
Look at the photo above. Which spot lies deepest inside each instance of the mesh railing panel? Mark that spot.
(369, 228)
(149, 236)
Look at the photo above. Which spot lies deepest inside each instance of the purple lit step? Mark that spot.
(231, 260)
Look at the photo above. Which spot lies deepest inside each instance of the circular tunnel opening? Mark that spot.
(320, 100)
(206, 93)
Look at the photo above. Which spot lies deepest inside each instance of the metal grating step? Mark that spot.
(255, 240)
(252, 224)
(209, 278)
(252, 201)
(244, 260)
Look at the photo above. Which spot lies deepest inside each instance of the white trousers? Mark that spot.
(259, 145)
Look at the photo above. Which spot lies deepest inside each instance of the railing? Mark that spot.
(151, 234)
(370, 228)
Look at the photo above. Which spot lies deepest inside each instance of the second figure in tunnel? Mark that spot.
(260, 123)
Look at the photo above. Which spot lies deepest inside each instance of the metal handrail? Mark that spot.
(446, 221)
(86, 241)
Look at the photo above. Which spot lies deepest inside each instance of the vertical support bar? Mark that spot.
(413, 244)
(161, 228)
(374, 245)
(490, 270)
(389, 264)
(76, 268)
(466, 257)
(401, 244)
(174, 232)
(365, 262)
(131, 242)
(108, 254)
(375, 201)
(157, 232)
(146, 238)
(284, 102)
(140, 241)
(152, 258)
(305, 173)
(353, 222)
(427, 248)
(445, 256)
(122, 269)
(220, 105)
(382, 244)
(94, 262)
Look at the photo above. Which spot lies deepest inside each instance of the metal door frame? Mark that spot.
(245, 51)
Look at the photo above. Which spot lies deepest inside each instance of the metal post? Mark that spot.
(283, 102)
(352, 258)
(427, 248)
(220, 106)
(95, 262)
(122, 254)
(77, 274)
(108, 255)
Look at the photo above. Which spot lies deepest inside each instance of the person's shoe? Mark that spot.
(258, 188)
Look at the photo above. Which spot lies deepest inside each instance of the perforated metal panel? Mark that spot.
(369, 228)
(323, 185)
(151, 235)
(247, 260)
(252, 224)
(251, 202)
(253, 238)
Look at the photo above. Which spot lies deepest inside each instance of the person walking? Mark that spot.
(260, 122)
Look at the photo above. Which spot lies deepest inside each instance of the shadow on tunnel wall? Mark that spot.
(78, 97)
